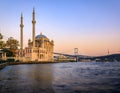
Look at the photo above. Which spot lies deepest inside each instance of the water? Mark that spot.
(89, 77)
(80, 77)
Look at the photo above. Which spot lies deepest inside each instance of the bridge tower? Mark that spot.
(76, 53)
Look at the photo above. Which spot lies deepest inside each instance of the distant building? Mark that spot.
(39, 49)
(63, 58)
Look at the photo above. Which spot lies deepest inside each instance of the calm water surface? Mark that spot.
(78, 77)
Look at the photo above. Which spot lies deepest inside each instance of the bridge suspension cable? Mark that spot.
(70, 51)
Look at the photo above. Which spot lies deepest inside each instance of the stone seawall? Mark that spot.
(17, 63)
(2, 65)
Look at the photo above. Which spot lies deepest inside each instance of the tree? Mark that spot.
(12, 44)
(1, 36)
(8, 52)
(2, 43)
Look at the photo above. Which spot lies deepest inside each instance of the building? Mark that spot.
(40, 48)
(63, 58)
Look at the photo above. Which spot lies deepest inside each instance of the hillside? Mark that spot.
(111, 57)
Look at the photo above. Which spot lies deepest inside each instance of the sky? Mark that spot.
(92, 26)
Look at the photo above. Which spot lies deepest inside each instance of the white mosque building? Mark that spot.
(40, 48)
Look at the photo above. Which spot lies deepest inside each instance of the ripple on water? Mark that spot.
(86, 77)
(79, 77)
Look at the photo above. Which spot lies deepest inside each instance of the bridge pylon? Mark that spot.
(76, 53)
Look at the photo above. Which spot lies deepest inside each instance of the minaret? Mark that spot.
(33, 27)
(21, 32)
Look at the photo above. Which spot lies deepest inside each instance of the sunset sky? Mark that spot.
(92, 26)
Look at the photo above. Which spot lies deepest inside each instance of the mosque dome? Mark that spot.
(41, 36)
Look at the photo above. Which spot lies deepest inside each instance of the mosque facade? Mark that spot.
(40, 48)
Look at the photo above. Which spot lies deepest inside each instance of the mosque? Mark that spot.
(40, 48)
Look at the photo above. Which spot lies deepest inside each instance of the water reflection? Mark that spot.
(27, 79)
(77, 77)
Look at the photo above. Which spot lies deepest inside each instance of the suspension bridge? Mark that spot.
(75, 56)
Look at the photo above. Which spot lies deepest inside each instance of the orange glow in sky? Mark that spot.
(92, 26)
